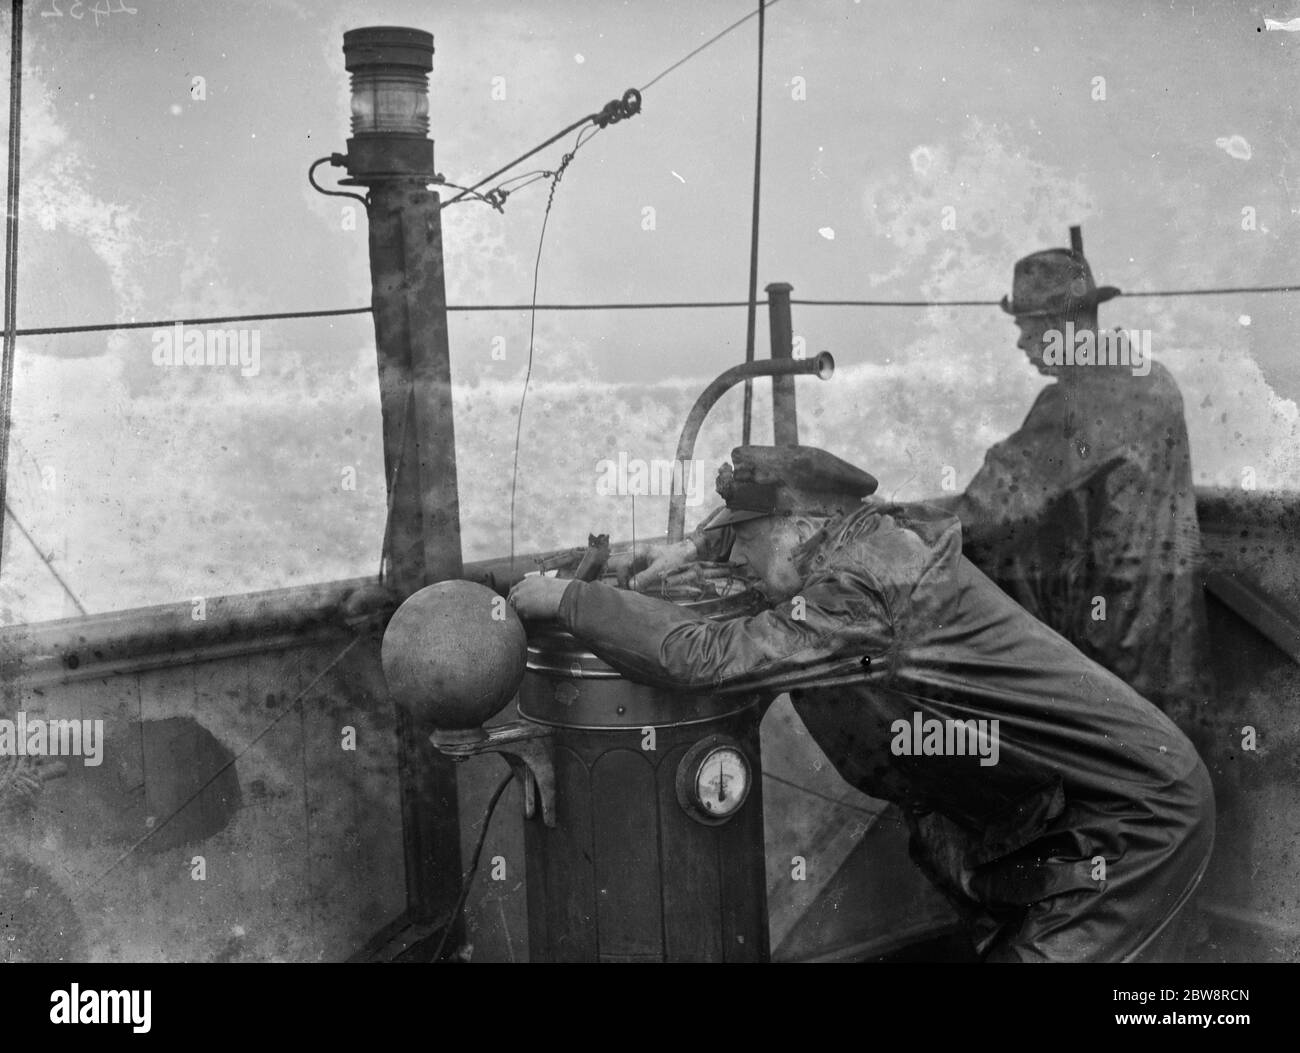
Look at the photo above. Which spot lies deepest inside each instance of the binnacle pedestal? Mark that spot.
(657, 849)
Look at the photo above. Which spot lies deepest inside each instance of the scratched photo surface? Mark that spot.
(911, 153)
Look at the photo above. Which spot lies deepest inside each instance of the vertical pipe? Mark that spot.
(785, 420)
(387, 201)
(751, 319)
(435, 432)
(409, 299)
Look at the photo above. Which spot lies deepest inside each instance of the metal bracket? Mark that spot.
(529, 750)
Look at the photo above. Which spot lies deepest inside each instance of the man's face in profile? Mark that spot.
(1033, 328)
(766, 547)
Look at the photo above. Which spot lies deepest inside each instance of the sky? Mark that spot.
(909, 151)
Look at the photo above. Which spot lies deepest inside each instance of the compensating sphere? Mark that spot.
(454, 655)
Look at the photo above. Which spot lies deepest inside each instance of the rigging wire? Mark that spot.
(297, 699)
(614, 111)
(468, 880)
(262, 316)
(707, 44)
(1216, 292)
(556, 176)
(473, 195)
(521, 158)
(530, 176)
(49, 563)
(386, 556)
(11, 251)
(47, 560)
(598, 117)
(751, 313)
(650, 305)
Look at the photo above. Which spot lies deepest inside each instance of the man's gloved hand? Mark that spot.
(663, 560)
(651, 562)
(538, 597)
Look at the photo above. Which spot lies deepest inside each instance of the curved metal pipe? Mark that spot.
(822, 366)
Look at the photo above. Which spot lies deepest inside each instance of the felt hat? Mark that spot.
(1054, 282)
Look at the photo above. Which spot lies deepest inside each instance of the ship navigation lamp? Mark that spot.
(390, 68)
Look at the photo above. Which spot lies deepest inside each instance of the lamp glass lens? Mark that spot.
(390, 102)
(363, 108)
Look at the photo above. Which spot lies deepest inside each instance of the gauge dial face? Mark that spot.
(721, 781)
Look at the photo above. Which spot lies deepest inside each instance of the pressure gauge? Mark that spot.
(713, 780)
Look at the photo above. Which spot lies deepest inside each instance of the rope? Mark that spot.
(11, 251)
(752, 311)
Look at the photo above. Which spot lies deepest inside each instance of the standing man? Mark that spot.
(1062, 813)
(1086, 515)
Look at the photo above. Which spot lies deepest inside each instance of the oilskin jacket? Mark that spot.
(892, 628)
(1086, 516)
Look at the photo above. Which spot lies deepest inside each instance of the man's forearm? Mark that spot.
(657, 642)
(628, 630)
